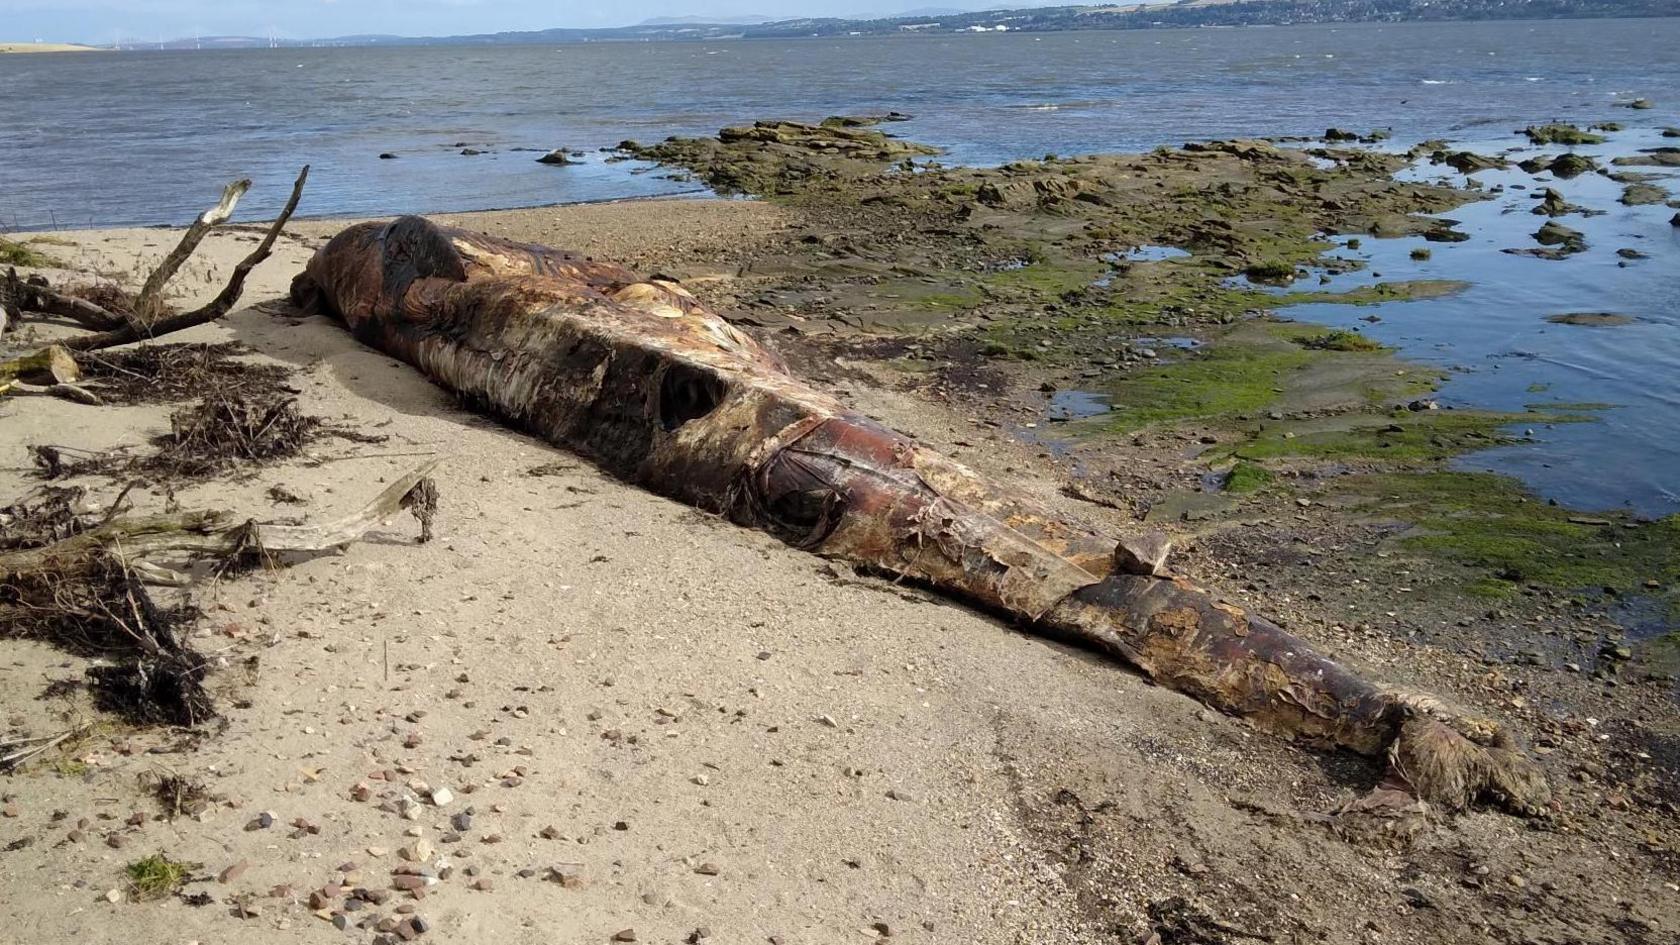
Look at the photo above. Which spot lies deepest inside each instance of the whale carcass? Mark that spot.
(640, 378)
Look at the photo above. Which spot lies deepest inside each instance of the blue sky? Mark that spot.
(100, 21)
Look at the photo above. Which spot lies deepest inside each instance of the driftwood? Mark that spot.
(142, 327)
(146, 320)
(146, 542)
(637, 376)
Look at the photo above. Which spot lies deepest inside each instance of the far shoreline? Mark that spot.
(37, 48)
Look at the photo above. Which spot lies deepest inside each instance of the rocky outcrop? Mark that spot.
(1468, 162)
(1563, 166)
(1557, 133)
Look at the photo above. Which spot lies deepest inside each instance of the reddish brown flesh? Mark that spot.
(641, 379)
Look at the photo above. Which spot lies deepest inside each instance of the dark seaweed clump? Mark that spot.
(86, 601)
(156, 374)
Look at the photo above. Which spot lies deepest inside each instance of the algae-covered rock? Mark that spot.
(1642, 195)
(1552, 204)
(1563, 166)
(862, 121)
(1468, 162)
(1590, 319)
(783, 157)
(1638, 104)
(1271, 272)
(557, 156)
(1552, 233)
(1557, 133)
(1338, 134)
(1651, 157)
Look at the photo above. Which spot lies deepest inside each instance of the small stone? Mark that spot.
(897, 795)
(701, 780)
(262, 821)
(462, 821)
(827, 720)
(568, 875)
(233, 872)
(419, 851)
(443, 797)
(624, 935)
(113, 895)
(708, 868)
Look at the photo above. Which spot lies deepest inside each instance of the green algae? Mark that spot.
(1244, 478)
(1490, 524)
(1404, 437)
(1044, 280)
(1558, 133)
(1228, 380)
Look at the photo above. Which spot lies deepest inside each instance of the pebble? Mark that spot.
(568, 875)
(443, 797)
(419, 851)
(462, 821)
(708, 868)
(233, 872)
(624, 935)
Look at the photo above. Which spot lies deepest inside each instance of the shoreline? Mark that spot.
(37, 48)
(806, 752)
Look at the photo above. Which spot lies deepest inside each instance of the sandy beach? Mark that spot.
(43, 48)
(655, 725)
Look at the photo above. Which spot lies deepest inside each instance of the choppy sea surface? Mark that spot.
(149, 137)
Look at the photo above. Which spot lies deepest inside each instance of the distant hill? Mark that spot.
(1158, 15)
(704, 21)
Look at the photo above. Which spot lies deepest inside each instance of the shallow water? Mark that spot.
(1504, 355)
(143, 138)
